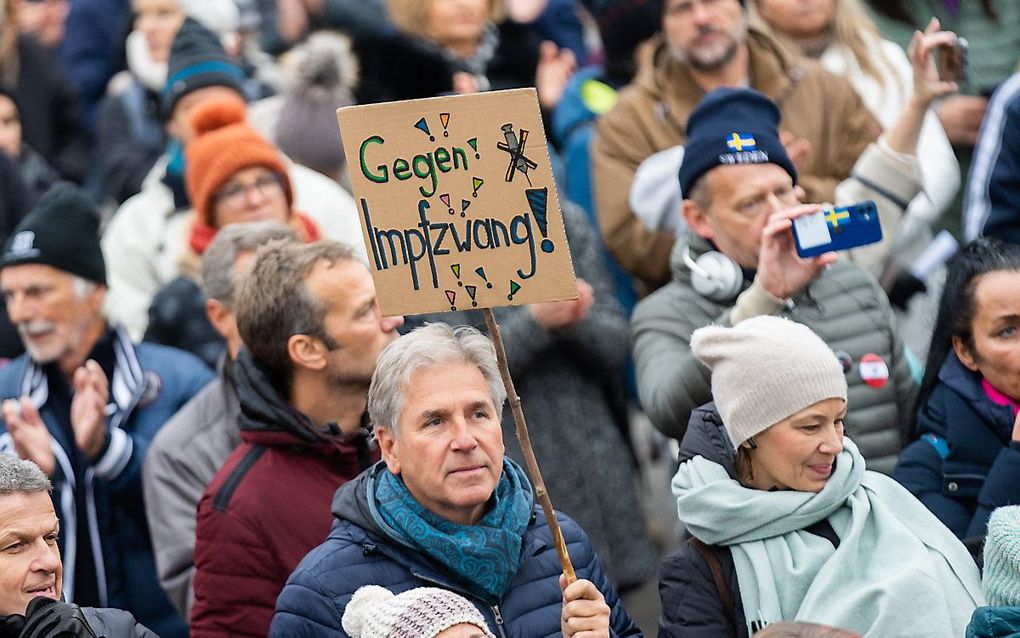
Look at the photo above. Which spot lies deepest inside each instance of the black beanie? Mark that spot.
(61, 231)
(732, 126)
(197, 60)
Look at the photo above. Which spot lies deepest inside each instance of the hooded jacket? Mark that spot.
(266, 507)
(358, 552)
(652, 115)
(963, 465)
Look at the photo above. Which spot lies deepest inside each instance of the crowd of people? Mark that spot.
(210, 424)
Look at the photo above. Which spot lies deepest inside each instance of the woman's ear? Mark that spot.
(964, 354)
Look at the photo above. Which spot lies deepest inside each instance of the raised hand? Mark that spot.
(88, 408)
(781, 271)
(32, 440)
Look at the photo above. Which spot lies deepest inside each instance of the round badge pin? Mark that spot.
(874, 370)
(845, 360)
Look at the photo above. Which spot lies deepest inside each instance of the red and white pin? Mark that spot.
(874, 370)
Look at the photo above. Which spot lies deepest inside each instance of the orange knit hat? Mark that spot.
(223, 145)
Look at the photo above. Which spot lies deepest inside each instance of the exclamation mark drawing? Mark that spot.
(538, 200)
(445, 198)
(481, 273)
(476, 183)
(456, 273)
(444, 119)
(473, 143)
(514, 287)
(464, 203)
(422, 125)
(471, 293)
(452, 297)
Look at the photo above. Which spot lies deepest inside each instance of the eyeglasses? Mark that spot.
(234, 195)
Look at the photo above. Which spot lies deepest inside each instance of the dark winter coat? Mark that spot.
(130, 135)
(267, 506)
(177, 318)
(994, 622)
(963, 464)
(403, 68)
(51, 116)
(691, 602)
(148, 385)
(358, 552)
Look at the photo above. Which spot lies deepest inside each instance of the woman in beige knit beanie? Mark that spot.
(787, 522)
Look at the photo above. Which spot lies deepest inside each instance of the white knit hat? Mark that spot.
(765, 369)
(375, 612)
(1001, 576)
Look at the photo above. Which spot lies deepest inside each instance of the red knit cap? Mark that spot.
(223, 145)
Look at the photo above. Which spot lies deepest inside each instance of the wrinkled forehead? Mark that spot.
(21, 276)
(26, 513)
(737, 181)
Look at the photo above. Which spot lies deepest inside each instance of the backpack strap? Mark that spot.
(717, 575)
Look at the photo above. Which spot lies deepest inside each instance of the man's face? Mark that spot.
(352, 320)
(179, 126)
(29, 558)
(448, 446)
(10, 128)
(53, 320)
(704, 34)
(743, 197)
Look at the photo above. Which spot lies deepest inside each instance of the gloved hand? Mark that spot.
(48, 618)
(11, 626)
(905, 286)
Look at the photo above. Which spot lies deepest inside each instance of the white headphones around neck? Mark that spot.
(714, 275)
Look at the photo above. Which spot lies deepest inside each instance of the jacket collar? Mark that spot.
(126, 386)
(968, 385)
(773, 71)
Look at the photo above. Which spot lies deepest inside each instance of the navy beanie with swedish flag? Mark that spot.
(729, 127)
(62, 231)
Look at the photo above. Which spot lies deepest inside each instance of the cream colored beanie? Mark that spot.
(375, 612)
(765, 369)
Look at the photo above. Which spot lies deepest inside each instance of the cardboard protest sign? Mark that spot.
(457, 202)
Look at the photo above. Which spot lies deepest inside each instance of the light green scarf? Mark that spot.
(898, 572)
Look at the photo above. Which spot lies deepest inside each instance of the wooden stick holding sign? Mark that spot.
(529, 453)
(459, 210)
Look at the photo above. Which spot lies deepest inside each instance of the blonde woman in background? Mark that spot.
(844, 39)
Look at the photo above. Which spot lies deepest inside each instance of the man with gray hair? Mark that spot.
(191, 447)
(31, 574)
(312, 332)
(445, 508)
(84, 402)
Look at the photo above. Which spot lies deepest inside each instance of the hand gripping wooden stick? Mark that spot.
(529, 454)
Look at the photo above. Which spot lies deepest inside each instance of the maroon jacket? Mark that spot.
(266, 508)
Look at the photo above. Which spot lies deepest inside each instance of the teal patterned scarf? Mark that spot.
(483, 556)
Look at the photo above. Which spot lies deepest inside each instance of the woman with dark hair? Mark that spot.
(965, 460)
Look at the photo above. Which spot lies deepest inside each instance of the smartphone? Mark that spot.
(839, 228)
(951, 61)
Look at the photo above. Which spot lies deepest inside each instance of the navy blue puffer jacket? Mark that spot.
(963, 466)
(357, 552)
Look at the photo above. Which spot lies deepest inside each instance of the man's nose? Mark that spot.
(463, 438)
(46, 559)
(389, 324)
(17, 309)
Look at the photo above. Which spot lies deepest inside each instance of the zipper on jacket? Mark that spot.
(499, 619)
